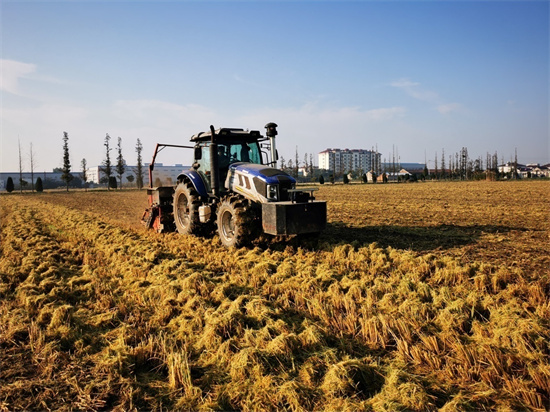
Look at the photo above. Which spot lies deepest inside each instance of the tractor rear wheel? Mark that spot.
(186, 209)
(231, 221)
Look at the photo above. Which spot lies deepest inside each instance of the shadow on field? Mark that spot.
(416, 238)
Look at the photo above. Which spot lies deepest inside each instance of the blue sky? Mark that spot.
(420, 76)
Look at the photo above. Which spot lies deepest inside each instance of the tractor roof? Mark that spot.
(228, 134)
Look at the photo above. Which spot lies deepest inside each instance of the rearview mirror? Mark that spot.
(198, 153)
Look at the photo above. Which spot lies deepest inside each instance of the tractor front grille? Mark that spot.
(284, 185)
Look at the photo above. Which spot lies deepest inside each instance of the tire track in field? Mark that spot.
(41, 288)
(71, 287)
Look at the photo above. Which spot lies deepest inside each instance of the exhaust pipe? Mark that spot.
(214, 180)
(271, 132)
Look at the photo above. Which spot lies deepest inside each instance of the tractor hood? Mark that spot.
(254, 181)
(268, 174)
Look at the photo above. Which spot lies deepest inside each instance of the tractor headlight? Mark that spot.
(272, 192)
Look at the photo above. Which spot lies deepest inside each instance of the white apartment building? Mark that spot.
(342, 161)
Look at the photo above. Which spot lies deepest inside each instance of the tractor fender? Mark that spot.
(196, 179)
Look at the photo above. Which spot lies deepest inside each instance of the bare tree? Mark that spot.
(297, 164)
(20, 168)
(464, 167)
(32, 162)
(443, 166)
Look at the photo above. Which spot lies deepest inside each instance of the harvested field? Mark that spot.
(418, 297)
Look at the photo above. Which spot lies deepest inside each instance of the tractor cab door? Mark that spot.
(202, 163)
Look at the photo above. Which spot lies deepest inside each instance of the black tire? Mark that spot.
(232, 222)
(186, 209)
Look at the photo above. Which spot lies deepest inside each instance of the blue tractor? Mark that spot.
(235, 188)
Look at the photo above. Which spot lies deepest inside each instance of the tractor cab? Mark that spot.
(231, 146)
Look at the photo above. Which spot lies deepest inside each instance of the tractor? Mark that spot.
(234, 187)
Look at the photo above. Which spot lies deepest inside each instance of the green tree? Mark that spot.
(9, 185)
(120, 166)
(139, 167)
(39, 185)
(84, 173)
(107, 166)
(112, 182)
(66, 169)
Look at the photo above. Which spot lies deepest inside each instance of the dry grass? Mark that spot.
(419, 297)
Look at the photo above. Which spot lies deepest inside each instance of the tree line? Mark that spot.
(455, 166)
(117, 169)
(461, 167)
(110, 170)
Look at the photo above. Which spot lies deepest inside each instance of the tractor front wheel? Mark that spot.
(231, 217)
(186, 209)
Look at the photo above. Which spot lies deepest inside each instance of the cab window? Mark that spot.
(245, 152)
(204, 161)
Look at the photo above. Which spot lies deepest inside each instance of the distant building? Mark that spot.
(49, 179)
(525, 171)
(404, 168)
(509, 167)
(538, 170)
(162, 175)
(342, 161)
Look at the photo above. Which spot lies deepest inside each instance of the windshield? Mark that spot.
(230, 152)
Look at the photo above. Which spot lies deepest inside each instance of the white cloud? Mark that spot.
(163, 115)
(11, 71)
(45, 116)
(448, 108)
(404, 83)
(314, 127)
(415, 90)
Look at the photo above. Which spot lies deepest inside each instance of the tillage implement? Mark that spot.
(235, 188)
